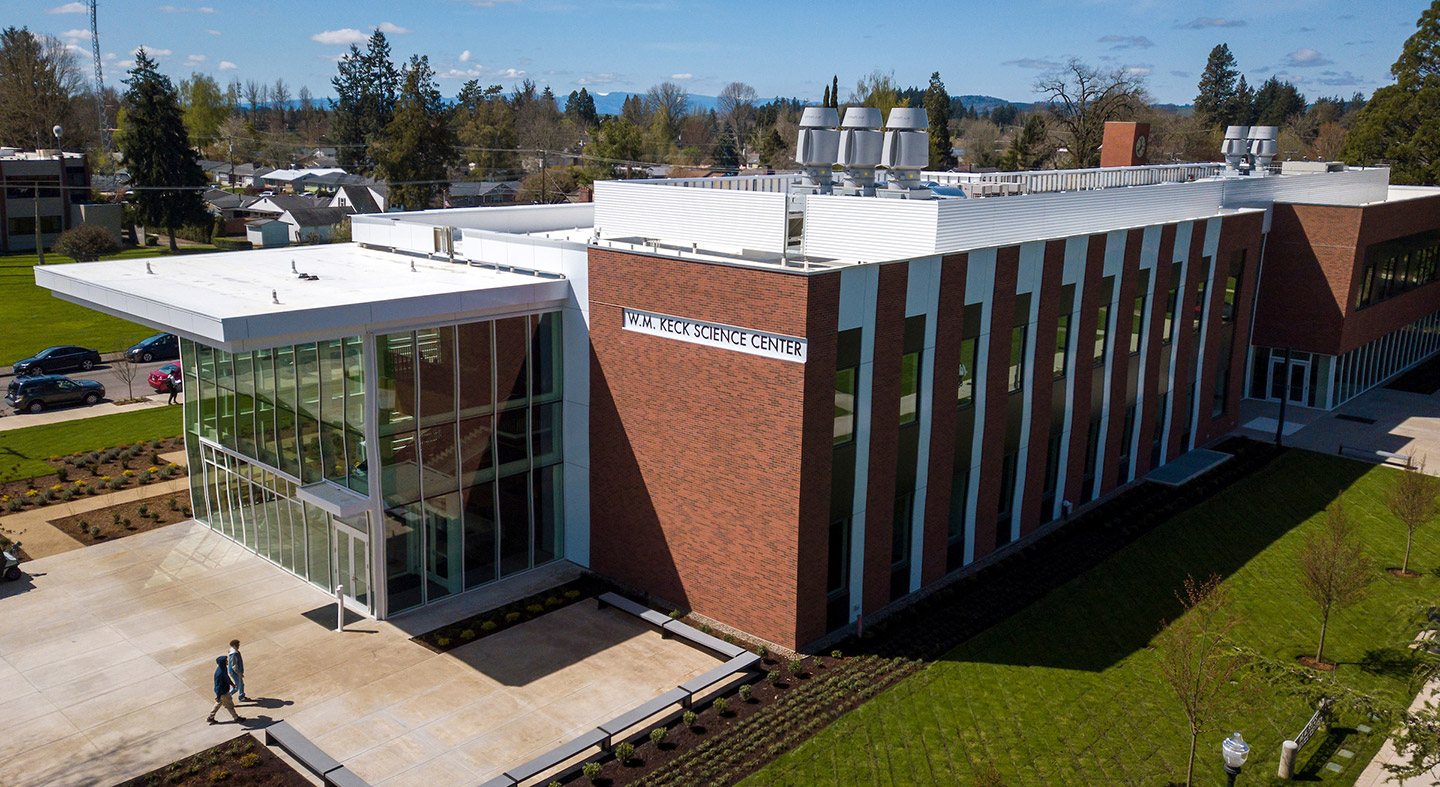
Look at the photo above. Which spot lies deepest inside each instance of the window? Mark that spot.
(837, 574)
(967, 371)
(1102, 330)
(909, 388)
(1062, 344)
(1169, 329)
(1198, 315)
(1127, 436)
(1221, 399)
(955, 526)
(1395, 267)
(844, 405)
(1092, 449)
(1232, 286)
(1017, 358)
(1008, 467)
(1137, 324)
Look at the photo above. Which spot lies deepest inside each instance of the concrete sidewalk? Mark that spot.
(1375, 774)
(12, 420)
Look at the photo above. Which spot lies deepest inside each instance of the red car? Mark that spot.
(160, 378)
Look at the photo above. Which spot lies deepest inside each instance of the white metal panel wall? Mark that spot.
(869, 229)
(1351, 187)
(715, 219)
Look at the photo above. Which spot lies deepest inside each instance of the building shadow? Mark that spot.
(1116, 608)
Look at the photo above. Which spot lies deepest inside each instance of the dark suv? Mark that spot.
(57, 359)
(160, 347)
(33, 394)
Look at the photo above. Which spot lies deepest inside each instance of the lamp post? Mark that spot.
(1234, 750)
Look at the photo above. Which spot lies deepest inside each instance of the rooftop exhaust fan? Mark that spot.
(861, 144)
(1264, 144)
(818, 147)
(906, 151)
(1234, 148)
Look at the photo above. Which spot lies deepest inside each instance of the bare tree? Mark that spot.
(736, 105)
(1082, 98)
(40, 82)
(127, 370)
(668, 102)
(254, 95)
(1334, 571)
(1198, 661)
(1414, 499)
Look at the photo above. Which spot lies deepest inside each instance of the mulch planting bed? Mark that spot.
(241, 761)
(126, 519)
(462, 632)
(93, 473)
(724, 748)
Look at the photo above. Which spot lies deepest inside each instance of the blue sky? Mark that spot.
(781, 48)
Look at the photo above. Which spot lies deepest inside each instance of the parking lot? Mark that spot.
(104, 374)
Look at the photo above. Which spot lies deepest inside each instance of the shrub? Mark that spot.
(155, 458)
(722, 706)
(467, 634)
(442, 642)
(689, 717)
(835, 654)
(84, 526)
(144, 509)
(745, 692)
(126, 523)
(553, 602)
(219, 775)
(625, 752)
(128, 473)
(572, 594)
(534, 609)
(489, 625)
(590, 770)
(773, 676)
(249, 760)
(657, 735)
(730, 638)
(66, 494)
(705, 628)
(174, 506)
(676, 614)
(511, 617)
(14, 505)
(62, 474)
(796, 668)
(86, 243)
(762, 651)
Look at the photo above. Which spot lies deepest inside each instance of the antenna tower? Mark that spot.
(100, 109)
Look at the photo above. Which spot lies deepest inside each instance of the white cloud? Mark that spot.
(341, 37)
(152, 51)
(490, 3)
(509, 73)
(193, 59)
(1137, 71)
(226, 65)
(1305, 58)
(76, 33)
(1202, 22)
(682, 76)
(465, 56)
(69, 8)
(1127, 42)
(476, 72)
(390, 28)
(598, 79)
(1033, 62)
(459, 73)
(174, 9)
(213, 32)
(205, 9)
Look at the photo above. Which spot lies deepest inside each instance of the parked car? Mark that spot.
(57, 359)
(160, 378)
(160, 347)
(36, 393)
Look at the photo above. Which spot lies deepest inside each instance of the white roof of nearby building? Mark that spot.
(225, 299)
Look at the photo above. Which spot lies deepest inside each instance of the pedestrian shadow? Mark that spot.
(256, 722)
(269, 703)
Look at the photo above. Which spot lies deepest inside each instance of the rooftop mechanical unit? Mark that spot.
(817, 148)
(1249, 149)
(861, 146)
(905, 153)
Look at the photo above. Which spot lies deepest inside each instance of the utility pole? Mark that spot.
(544, 198)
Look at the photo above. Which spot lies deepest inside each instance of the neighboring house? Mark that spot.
(249, 175)
(359, 199)
(297, 179)
(231, 208)
(305, 222)
(267, 233)
(482, 193)
(216, 171)
(272, 207)
(63, 185)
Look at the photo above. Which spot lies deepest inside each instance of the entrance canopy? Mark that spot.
(240, 301)
(333, 499)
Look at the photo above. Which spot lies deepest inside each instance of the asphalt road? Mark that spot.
(105, 375)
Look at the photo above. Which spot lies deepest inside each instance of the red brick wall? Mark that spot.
(943, 415)
(1149, 402)
(1084, 370)
(997, 396)
(1242, 232)
(884, 432)
(1119, 366)
(701, 458)
(1042, 383)
(1186, 344)
(1382, 222)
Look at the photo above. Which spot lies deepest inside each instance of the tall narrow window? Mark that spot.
(1102, 332)
(967, 371)
(1017, 358)
(1137, 324)
(845, 405)
(1198, 315)
(1232, 286)
(909, 388)
(1170, 300)
(1062, 344)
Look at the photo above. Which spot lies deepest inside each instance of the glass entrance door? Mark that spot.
(1299, 382)
(352, 561)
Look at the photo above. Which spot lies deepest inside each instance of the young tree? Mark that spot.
(1334, 571)
(877, 89)
(365, 88)
(1401, 123)
(1413, 499)
(773, 150)
(1030, 147)
(1241, 110)
(1217, 87)
(156, 150)
(418, 145)
(205, 108)
(666, 104)
(980, 140)
(40, 80)
(1198, 661)
(1083, 99)
(937, 110)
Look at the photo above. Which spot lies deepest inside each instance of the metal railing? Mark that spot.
(1081, 179)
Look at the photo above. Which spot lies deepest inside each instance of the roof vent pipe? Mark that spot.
(1264, 144)
(906, 150)
(860, 150)
(817, 147)
(1234, 148)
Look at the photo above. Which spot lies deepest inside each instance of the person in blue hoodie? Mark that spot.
(222, 690)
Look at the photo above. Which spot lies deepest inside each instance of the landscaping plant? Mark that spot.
(1414, 499)
(1334, 571)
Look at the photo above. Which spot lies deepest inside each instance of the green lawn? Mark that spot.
(34, 319)
(1068, 693)
(23, 451)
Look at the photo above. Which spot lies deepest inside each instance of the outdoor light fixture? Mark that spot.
(1233, 750)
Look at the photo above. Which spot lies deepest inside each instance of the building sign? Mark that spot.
(726, 337)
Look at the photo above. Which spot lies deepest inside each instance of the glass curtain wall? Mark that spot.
(261, 423)
(468, 421)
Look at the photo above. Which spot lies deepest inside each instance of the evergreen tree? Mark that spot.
(835, 91)
(485, 125)
(937, 109)
(1217, 88)
(418, 145)
(1030, 147)
(1401, 122)
(825, 102)
(580, 108)
(156, 150)
(1241, 110)
(727, 151)
(1277, 102)
(365, 85)
(772, 150)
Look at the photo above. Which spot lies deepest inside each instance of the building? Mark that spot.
(784, 409)
(306, 225)
(43, 186)
(482, 193)
(267, 233)
(360, 198)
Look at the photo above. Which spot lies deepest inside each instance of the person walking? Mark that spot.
(222, 690)
(236, 664)
(173, 384)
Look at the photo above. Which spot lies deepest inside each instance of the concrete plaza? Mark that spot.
(106, 662)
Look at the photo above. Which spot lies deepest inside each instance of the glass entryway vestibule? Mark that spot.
(352, 560)
(1290, 382)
